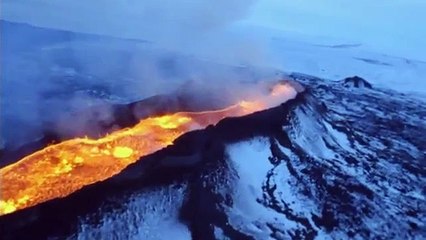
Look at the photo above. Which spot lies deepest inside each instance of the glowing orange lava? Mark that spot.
(61, 169)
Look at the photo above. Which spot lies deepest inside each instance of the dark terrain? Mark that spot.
(338, 161)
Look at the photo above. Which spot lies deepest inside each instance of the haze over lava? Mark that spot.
(60, 169)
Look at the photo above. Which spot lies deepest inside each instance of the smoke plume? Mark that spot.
(117, 51)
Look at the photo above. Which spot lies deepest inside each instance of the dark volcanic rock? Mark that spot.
(330, 164)
(188, 158)
(356, 82)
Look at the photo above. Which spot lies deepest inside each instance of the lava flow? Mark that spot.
(61, 169)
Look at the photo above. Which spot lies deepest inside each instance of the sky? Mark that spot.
(391, 26)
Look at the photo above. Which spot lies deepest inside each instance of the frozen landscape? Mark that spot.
(345, 159)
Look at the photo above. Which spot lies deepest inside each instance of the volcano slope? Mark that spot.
(336, 162)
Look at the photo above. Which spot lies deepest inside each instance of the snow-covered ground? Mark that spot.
(332, 160)
(393, 27)
(337, 162)
(148, 215)
(333, 59)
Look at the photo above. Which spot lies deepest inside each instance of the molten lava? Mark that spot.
(61, 169)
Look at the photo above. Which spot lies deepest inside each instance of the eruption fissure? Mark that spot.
(61, 169)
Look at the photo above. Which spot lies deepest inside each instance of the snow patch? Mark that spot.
(250, 161)
(148, 215)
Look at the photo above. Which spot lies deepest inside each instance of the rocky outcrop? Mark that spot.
(356, 82)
